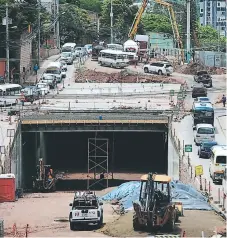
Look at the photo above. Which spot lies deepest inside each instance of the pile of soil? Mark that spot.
(91, 76)
(192, 68)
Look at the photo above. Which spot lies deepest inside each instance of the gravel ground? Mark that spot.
(46, 215)
(193, 223)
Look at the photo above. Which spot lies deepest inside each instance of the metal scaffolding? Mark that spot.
(98, 167)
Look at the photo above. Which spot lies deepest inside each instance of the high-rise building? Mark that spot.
(213, 13)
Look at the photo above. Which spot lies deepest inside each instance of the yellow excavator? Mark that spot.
(176, 34)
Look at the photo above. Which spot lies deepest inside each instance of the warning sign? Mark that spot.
(198, 170)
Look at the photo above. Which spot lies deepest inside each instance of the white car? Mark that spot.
(85, 209)
(203, 133)
(202, 99)
(64, 66)
(158, 67)
(44, 88)
(67, 57)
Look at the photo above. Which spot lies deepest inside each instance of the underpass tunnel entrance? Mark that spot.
(132, 152)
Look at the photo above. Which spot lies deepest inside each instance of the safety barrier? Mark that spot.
(187, 175)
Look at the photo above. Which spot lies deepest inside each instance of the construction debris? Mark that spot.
(193, 67)
(125, 76)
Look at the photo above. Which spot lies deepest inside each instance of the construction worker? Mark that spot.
(224, 100)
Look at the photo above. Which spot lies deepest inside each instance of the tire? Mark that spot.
(100, 222)
(170, 225)
(72, 226)
(159, 72)
(111, 65)
(135, 223)
(146, 70)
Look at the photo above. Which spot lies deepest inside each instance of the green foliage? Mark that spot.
(91, 5)
(157, 23)
(123, 15)
(75, 24)
(209, 37)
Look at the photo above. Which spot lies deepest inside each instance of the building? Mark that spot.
(213, 13)
(160, 40)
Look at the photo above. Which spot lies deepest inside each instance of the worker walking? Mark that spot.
(224, 100)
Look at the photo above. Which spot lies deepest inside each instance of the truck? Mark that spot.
(143, 43)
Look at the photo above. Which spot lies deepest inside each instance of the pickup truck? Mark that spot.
(203, 77)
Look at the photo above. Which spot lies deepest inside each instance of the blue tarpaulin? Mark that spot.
(128, 192)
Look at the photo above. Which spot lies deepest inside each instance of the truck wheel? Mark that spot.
(159, 72)
(146, 70)
(100, 222)
(72, 226)
(170, 224)
(136, 225)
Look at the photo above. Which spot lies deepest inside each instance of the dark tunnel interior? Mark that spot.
(127, 151)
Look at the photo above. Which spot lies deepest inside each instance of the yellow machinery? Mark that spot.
(155, 209)
(176, 34)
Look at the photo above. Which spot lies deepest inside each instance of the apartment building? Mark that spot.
(213, 12)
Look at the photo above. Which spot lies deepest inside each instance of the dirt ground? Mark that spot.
(117, 175)
(46, 215)
(193, 223)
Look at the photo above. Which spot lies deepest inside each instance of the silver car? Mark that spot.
(67, 57)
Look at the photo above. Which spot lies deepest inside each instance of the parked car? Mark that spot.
(64, 66)
(88, 48)
(159, 68)
(67, 57)
(204, 77)
(30, 94)
(44, 88)
(85, 209)
(50, 80)
(202, 99)
(199, 90)
(80, 51)
(204, 150)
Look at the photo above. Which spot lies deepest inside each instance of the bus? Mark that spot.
(113, 58)
(115, 47)
(10, 93)
(202, 113)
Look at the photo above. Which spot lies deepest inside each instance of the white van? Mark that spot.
(113, 58)
(55, 69)
(218, 162)
(69, 47)
(204, 133)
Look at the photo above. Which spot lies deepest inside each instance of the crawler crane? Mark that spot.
(134, 27)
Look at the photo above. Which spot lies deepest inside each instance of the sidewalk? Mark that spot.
(32, 78)
(222, 122)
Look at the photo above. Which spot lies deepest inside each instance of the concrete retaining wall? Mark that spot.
(46, 53)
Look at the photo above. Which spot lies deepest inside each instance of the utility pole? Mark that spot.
(188, 29)
(57, 27)
(39, 26)
(98, 25)
(111, 20)
(7, 43)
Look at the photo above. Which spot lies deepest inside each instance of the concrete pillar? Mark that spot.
(43, 147)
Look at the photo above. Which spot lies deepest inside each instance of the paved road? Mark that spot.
(185, 132)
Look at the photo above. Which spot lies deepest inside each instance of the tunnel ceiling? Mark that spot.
(95, 121)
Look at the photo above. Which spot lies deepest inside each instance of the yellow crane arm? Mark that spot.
(174, 25)
(134, 27)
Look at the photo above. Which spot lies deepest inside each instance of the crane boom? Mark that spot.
(134, 27)
(176, 34)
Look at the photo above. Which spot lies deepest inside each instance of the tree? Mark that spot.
(123, 15)
(157, 23)
(91, 5)
(75, 24)
(210, 39)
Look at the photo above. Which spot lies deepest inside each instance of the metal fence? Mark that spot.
(207, 58)
(1, 228)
